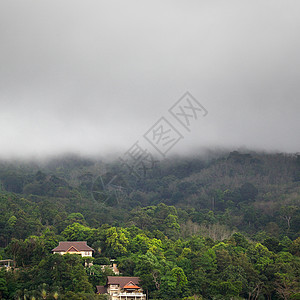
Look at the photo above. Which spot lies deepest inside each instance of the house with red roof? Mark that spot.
(122, 288)
(74, 248)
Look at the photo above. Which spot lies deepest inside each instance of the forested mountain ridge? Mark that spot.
(191, 219)
(244, 191)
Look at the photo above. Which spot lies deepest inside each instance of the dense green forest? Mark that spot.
(224, 227)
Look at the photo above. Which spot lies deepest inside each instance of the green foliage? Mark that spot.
(116, 241)
(66, 271)
(96, 275)
(221, 270)
(78, 232)
(3, 285)
(101, 261)
(226, 228)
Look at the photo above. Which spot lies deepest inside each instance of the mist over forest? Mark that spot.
(162, 137)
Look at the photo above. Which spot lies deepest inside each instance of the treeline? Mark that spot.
(250, 193)
(170, 268)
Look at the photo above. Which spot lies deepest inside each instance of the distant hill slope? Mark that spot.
(251, 192)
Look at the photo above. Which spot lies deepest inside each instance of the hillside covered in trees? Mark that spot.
(226, 227)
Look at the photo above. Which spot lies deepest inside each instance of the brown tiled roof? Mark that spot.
(72, 249)
(101, 289)
(79, 246)
(122, 281)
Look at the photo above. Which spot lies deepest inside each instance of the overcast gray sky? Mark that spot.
(93, 76)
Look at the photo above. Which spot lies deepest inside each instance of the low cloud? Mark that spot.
(92, 77)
